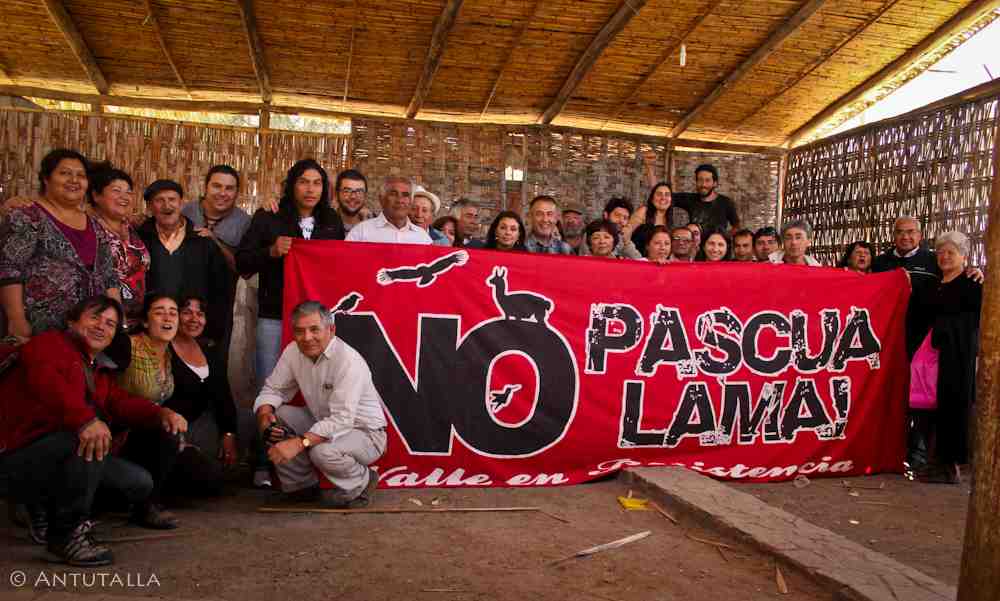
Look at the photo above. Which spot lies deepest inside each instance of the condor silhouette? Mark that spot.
(425, 273)
(501, 398)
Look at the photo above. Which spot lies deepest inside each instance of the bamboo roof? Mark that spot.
(757, 72)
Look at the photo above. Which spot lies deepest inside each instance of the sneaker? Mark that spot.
(79, 549)
(368, 494)
(38, 524)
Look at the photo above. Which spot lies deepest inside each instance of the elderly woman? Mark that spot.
(796, 238)
(717, 246)
(202, 395)
(954, 335)
(60, 406)
(52, 254)
(425, 206)
(601, 237)
(858, 257)
(506, 232)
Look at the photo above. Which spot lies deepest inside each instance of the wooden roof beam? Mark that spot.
(773, 41)
(963, 20)
(510, 57)
(62, 19)
(614, 25)
(152, 20)
(663, 58)
(249, 19)
(442, 27)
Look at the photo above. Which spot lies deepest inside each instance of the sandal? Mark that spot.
(155, 517)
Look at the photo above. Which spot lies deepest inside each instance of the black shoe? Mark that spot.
(38, 524)
(368, 494)
(151, 515)
(303, 495)
(79, 549)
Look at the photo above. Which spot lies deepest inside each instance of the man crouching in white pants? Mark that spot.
(340, 431)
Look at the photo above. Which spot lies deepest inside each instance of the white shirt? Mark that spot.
(778, 256)
(338, 389)
(379, 229)
(307, 225)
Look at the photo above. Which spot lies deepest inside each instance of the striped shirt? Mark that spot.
(145, 376)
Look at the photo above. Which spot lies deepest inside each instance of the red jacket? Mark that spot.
(47, 392)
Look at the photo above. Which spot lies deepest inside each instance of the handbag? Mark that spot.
(924, 376)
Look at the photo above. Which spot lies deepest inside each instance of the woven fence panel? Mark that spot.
(282, 149)
(935, 166)
(147, 149)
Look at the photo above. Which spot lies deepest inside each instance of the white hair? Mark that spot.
(958, 239)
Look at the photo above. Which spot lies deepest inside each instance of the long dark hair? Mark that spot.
(729, 247)
(651, 208)
(323, 213)
(845, 261)
(491, 234)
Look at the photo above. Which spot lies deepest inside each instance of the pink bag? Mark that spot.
(924, 376)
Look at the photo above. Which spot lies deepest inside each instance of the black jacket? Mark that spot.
(192, 397)
(197, 268)
(925, 276)
(254, 253)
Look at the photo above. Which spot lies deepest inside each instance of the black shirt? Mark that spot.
(719, 215)
(925, 276)
(192, 396)
(196, 268)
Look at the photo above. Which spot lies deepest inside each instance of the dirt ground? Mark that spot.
(234, 552)
(921, 525)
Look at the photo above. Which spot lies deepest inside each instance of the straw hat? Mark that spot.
(419, 190)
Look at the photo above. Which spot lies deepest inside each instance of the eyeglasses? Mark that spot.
(353, 191)
(679, 239)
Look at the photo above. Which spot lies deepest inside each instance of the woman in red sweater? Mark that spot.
(55, 439)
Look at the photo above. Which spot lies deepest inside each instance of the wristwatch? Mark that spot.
(306, 443)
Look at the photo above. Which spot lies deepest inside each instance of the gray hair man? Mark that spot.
(467, 214)
(393, 225)
(796, 238)
(340, 431)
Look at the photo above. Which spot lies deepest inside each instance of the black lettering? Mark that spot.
(805, 411)
(858, 342)
(694, 402)
(737, 409)
(666, 327)
(600, 343)
(751, 356)
(707, 333)
(631, 416)
(800, 340)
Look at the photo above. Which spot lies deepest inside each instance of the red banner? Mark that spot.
(515, 369)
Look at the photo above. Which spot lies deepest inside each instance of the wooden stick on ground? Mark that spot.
(663, 512)
(875, 503)
(395, 510)
(779, 580)
(140, 537)
(554, 516)
(605, 547)
(847, 484)
(709, 542)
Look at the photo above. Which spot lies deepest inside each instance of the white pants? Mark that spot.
(343, 461)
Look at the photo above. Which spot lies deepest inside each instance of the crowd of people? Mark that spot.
(114, 382)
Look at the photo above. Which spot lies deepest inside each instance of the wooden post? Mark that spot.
(980, 577)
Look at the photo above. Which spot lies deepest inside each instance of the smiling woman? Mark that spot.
(52, 254)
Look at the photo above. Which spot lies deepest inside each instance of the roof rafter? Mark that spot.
(816, 65)
(249, 19)
(510, 57)
(663, 58)
(960, 22)
(614, 25)
(442, 27)
(63, 20)
(152, 20)
(773, 41)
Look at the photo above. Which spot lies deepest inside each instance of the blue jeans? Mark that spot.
(268, 348)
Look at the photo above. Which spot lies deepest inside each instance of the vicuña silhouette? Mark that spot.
(522, 306)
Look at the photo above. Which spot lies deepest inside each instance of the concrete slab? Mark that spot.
(854, 571)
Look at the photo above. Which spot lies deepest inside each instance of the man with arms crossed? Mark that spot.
(340, 431)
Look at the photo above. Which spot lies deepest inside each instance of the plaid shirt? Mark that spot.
(554, 247)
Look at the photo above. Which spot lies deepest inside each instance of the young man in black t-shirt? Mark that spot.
(714, 212)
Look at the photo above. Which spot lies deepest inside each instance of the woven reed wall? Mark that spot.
(935, 166)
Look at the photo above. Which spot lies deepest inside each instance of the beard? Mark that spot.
(573, 232)
(346, 210)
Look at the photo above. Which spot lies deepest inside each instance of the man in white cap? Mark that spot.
(425, 208)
